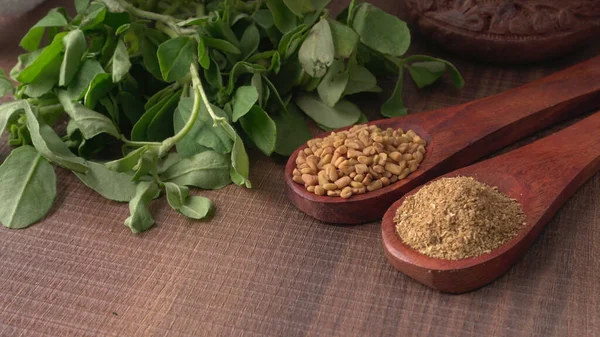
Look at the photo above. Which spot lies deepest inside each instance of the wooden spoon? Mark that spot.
(458, 136)
(541, 176)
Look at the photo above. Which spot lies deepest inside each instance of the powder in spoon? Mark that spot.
(457, 218)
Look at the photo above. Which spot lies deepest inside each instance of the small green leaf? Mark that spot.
(23, 61)
(245, 97)
(240, 165)
(203, 57)
(361, 80)
(149, 58)
(176, 195)
(109, 184)
(175, 57)
(120, 62)
(28, 188)
(455, 75)
(99, 87)
(242, 68)
(333, 84)
(263, 18)
(203, 134)
(213, 75)
(140, 219)
(89, 122)
(75, 47)
(291, 40)
(283, 17)
(394, 106)
(318, 6)
(131, 106)
(196, 207)
(345, 39)
(81, 5)
(49, 144)
(167, 161)
(342, 114)
(222, 45)
(426, 73)
(317, 52)
(126, 163)
(81, 82)
(156, 123)
(47, 57)
(299, 7)
(7, 110)
(260, 128)
(291, 130)
(207, 170)
(31, 40)
(97, 13)
(381, 31)
(250, 41)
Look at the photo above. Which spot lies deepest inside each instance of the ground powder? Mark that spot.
(457, 218)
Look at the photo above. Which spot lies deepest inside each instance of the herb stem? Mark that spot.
(166, 19)
(198, 84)
(136, 143)
(51, 109)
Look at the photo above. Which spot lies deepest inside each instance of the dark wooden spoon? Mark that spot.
(458, 136)
(541, 176)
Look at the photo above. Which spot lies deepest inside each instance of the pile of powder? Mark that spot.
(457, 218)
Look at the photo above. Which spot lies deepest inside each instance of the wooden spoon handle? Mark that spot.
(472, 130)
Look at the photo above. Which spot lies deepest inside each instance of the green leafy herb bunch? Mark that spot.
(139, 97)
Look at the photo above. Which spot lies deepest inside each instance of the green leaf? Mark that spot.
(203, 134)
(381, 31)
(275, 93)
(394, 106)
(317, 51)
(109, 184)
(333, 84)
(81, 82)
(240, 165)
(207, 170)
(283, 17)
(89, 122)
(47, 57)
(203, 57)
(256, 82)
(120, 62)
(41, 85)
(275, 66)
(241, 68)
(175, 57)
(149, 58)
(213, 75)
(49, 144)
(81, 5)
(196, 207)
(291, 40)
(140, 219)
(23, 61)
(126, 163)
(99, 87)
(75, 47)
(7, 110)
(263, 18)
(131, 106)
(299, 7)
(222, 45)
(245, 97)
(426, 73)
(455, 75)
(31, 40)
(167, 161)
(361, 80)
(342, 114)
(319, 7)
(155, 124)
(28, 188)
(250, 41)
(291, 130)
(260, 128)
(193, 22)
(345, 39)
(176, 195)
(97, 13)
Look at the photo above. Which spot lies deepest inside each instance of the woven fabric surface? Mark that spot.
(260, 267)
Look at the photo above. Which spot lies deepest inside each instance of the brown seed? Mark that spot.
(353, 161)
(376, 158)
(346, 192)
(413, 165)
(387, 174)
(394, 169)
(397, 156)
(319, 190)
(360, 190)
(377, 184)
(359, 177)
(300, 160)
(330, 186)
(411, 134)
(311, 189)
(352, 144)
(418, 156)
(325, 160)
(356, 184)
(322, 178)
(361, 168)
(331, 173)
(365, 160)
(382, 159)
(352, 175)
(407, 156)
(364, 138)
(307, 170)
(338, 143)
(393, 179)
(404, 174)
(421, 149)
(307, 151)
(310, 179)
(385, 181)
(303, 165)
(403, 139)
(402, 148)
(296, 172)
(369, 151)
(379, 169)
(318, 152)
(328, 150)
(341, 150)
(333, 193)
(352, 153)
(379, 148)
(343, 182)
(367, 180)
(347, 169)
(298, 179)
(413, 147)
(312, 161)
(339, 161)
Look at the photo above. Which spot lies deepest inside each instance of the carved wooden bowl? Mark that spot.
(507, 31)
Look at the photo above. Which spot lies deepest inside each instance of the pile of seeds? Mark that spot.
(359, 160)
(457, 218)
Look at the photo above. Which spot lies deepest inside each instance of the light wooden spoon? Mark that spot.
(540, 176)
(458, 136)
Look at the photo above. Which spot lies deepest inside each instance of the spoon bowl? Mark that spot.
(458, 136)
(540, 176)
